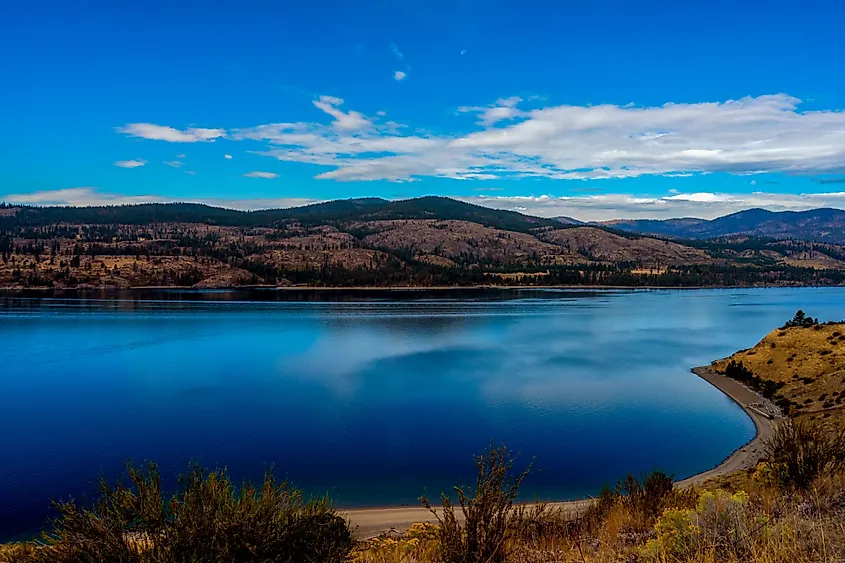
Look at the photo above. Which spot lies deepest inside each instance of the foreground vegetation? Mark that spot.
(790, 508)
(206, 520)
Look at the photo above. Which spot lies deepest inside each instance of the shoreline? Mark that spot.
(287, 288)
(373, 522)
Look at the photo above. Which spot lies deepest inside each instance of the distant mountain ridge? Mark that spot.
(427, 241)
(821, 225)
(341, 210)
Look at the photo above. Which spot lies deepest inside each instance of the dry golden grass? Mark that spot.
(809, 361)
(14, 551)
(755, 523)
(813, 259)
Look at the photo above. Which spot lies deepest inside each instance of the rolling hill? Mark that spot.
(342, 210)
(376, 242)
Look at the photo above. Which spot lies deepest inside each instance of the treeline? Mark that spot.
(338, 211)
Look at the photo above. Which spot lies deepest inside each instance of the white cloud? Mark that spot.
(174, 163)
(78, 197)
(504, 109)
(227, 156)
(180, 156)
(587, 208)
(265, 175)
(87, 196)
(130, 163)
(170, 134)
(463, 51)
(351, 120)
(399, 75)
(190, 172)
(702, 205)
(746, 136)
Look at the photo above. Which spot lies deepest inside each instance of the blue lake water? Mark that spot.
(373, 397)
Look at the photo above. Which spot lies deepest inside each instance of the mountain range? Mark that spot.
(821, 225)
(423, 241)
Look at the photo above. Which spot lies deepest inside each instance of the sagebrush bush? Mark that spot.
(488, 512)
(799, 452)
(207, 519)
(721, 527)
(641, 499)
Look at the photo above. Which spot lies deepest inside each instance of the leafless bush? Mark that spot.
(488, 511)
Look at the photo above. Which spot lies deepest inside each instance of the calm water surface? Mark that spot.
(373, 397)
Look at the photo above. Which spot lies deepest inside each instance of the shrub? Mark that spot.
(738, 371)
(641, 500)
(488, 510)
(721, 527)
(206, 520)
(799, 452)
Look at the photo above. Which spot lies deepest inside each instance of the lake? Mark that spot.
(374, 397)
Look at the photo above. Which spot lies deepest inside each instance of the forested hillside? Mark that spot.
(428, 241)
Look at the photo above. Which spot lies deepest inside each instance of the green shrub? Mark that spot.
(488, 512)
(720, 528)
(206, 520)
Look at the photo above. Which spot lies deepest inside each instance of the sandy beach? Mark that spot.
(372, 522)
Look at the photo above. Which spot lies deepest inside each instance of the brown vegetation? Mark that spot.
(596, 244)
(208, 519)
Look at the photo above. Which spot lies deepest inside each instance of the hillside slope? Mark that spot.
(808, 366)
(375, 242)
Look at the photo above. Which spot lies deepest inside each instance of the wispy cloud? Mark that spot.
(264, 175)
(504, 109)
(400, 75)
(227, 156)
(746, 136)
(349, 121)
(170, 134)
(130, 163)
(88, 196)
(704, 205)
(174, 163)
(396, 52)
(83, 196)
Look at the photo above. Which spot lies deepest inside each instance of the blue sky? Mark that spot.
(597, 110)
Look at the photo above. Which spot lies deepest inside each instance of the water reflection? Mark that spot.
(374, 396)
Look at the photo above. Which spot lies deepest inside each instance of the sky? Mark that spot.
(596, 110)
